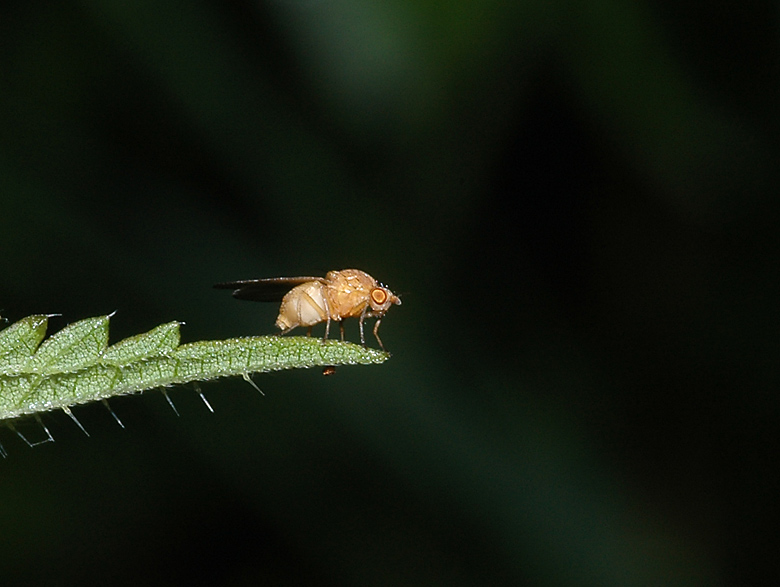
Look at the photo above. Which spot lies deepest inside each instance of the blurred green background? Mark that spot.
(577, 202)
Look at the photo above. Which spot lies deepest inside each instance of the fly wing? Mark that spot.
(271, 289)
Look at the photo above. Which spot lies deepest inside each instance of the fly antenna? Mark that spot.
(118, 421)
(66, 409)
(248, 379)
(169, 400)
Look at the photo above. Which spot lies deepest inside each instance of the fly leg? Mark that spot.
(327, 317)
(376, 333)
(378, 316)
(362, 318)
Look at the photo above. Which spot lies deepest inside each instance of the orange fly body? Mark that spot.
(306, 301)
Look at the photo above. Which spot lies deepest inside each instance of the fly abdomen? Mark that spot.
(303, 305)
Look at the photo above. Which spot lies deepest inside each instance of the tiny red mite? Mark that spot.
(306, 301)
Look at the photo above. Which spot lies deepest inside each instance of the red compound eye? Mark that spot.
(379, 296)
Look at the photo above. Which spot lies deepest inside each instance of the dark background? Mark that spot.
(577, 201)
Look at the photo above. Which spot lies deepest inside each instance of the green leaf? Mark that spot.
(75, 346)
(157, 341)
(19, 341)
(77, 366)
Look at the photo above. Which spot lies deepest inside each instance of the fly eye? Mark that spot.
(378, 296)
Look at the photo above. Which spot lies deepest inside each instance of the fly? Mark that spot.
(306, 301)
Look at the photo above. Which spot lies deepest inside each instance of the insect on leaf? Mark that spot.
(76, 365)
